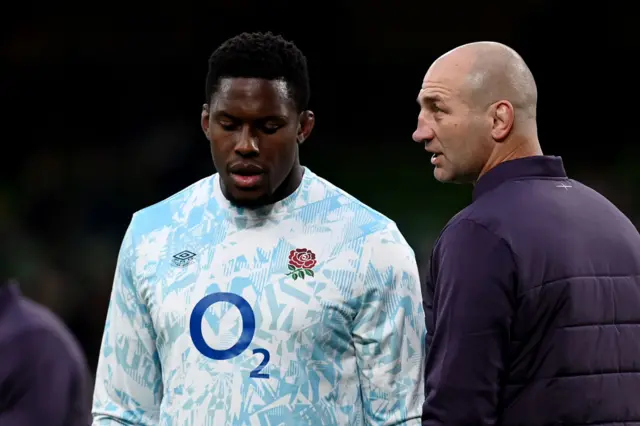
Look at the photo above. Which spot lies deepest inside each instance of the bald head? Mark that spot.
(477, 109)
(488, 72)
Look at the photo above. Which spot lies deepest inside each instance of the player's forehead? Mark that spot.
(252, 96)
(442, 82)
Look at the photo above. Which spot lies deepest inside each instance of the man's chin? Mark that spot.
(442, 175)
(248, 198)
(244, 196)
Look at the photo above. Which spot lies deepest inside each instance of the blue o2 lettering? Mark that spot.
(265, 360)
(248, 330)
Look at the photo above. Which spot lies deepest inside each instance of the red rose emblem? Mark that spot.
(302, 258)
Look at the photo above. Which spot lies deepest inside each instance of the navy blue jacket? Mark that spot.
(44, 378)
(533, 306)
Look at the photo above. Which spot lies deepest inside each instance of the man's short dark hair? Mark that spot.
(261, 55)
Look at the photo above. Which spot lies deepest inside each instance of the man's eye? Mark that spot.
(226, 125)
(270, 128)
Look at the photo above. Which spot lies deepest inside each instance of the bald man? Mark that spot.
(533, 290)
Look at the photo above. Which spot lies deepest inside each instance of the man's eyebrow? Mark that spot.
(429, 99)
(273, 117)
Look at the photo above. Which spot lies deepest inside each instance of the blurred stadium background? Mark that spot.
(103, 101)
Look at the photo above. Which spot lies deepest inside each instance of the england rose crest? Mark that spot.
(301, 262)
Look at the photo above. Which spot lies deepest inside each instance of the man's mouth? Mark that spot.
(246, 174)
(246, 180)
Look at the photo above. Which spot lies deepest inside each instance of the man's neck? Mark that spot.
(512, 150)
(290, 184)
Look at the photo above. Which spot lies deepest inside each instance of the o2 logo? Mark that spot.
(248, 330)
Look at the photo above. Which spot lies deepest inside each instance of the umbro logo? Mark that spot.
(183, 258)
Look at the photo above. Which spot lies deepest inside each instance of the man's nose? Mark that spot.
(416, 136)
(423, 133)
(248, 144)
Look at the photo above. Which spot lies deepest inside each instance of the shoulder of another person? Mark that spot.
(54, 341)
(49, 334)
(465, 233)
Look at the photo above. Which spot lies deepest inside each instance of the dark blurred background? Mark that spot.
(102, 104)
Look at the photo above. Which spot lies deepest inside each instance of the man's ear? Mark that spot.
(204, 120)
(307, 121)
(503, 119)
